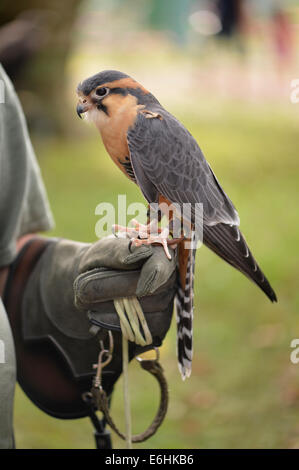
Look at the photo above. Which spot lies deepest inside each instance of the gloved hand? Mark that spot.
(103, 279)
(119, 254)
(71, 278)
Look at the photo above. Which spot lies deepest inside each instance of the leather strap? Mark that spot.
(101, 402)
(30, 249)
(3, 278)
(4, 271)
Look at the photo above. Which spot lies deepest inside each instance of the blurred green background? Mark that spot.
(232, 91)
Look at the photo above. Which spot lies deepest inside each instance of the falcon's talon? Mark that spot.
(148, 229)
(157, 239)
(138, 230)
(144, 235)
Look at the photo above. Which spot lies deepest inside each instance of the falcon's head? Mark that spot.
(108, 92)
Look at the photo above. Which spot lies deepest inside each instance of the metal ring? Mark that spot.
(111, 343)
(109, 357)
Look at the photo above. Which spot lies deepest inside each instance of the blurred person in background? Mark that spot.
(232, 15)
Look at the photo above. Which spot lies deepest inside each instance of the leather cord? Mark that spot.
(102, 404)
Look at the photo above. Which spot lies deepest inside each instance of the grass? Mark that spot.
(244, 391)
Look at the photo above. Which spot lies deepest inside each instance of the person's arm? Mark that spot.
(24, 206)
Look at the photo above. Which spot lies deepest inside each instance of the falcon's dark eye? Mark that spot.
(102, 91)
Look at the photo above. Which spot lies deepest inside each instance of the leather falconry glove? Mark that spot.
(72, 278)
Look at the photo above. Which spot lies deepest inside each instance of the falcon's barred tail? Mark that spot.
(184, 316)
(228, 242)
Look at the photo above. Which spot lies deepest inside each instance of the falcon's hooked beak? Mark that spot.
(82, 108)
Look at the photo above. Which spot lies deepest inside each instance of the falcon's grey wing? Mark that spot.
(167, 160)
(166, 157)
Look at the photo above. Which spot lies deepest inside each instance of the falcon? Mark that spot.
(155, 151)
